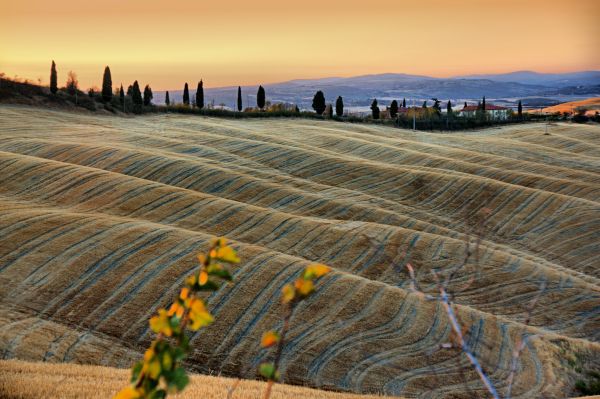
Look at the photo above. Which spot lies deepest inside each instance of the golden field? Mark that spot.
(591, 105)
(101, 218)
(28, 380)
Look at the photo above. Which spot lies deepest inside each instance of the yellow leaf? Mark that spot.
(176, 309)
(304, 287)
(154, 369)
(167, 361)
(149, 354)
(227, 254)
(199, 316)
(191, 280)
(184, 293)
(129, 393)
(287, 293)
(201, 258)
(160, 324)
(203, 278)
(315, 271)
(269, 339)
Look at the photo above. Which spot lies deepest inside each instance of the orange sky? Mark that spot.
(231, 42)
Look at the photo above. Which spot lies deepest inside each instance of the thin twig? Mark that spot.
(522, 341)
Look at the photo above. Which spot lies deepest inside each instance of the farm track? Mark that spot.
(100, 219)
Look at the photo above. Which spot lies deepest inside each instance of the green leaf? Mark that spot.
(178, 379)
(209, 286)
(267, 370)
(135, 371)
(158, 394)
(219, 272)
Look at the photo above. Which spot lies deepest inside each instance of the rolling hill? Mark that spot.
(360, 90)
(101, 218)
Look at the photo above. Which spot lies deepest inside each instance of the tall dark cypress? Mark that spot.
(375, 109)
(239, 99)
(394, 108)
(339, 106)
(520, 109)
(167, 99)
(106, 85)
(186, 94)
(483, 104)
(260, 97)
(122, 96)
(465, 104)
(147, 95)
(136, 97)
(425, 104)
(53, 79)
(200, 95)
(318, 103)
(404, 103)
(449, 107)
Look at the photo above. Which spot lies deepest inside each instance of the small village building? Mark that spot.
(493, 112)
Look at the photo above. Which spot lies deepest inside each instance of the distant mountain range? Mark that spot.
(360, 90)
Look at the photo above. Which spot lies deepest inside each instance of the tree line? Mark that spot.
(139, 99)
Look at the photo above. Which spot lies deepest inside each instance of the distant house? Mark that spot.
(492, 111)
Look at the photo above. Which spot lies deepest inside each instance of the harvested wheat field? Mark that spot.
(101, 218)
(27, 380)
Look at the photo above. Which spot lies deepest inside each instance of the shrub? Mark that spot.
(160, 372)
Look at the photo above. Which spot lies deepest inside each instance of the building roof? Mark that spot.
(488, 107)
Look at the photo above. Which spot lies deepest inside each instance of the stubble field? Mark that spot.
(101, 218)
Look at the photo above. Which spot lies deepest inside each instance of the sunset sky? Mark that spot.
(166, 43)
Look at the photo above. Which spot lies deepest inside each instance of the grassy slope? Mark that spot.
(100, 218)
(592, 104)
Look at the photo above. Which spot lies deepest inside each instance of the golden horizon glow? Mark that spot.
(246, 43)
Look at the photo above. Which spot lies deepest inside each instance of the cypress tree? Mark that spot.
(339, 106)
(375, 109)
(318, 103)
(167, 99)
(130, 90)
(122, 96)
(260, 97)
(147, 95)
(404, 103)
(465, 104)
(186, 94)
(483, 104)
(449, 107)
(106, 85)
(136, 97)
(53, 79)
(425, 104)
(520, 109)
(200, 95)
(331, 110)
(239, 99)
(394, 109)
